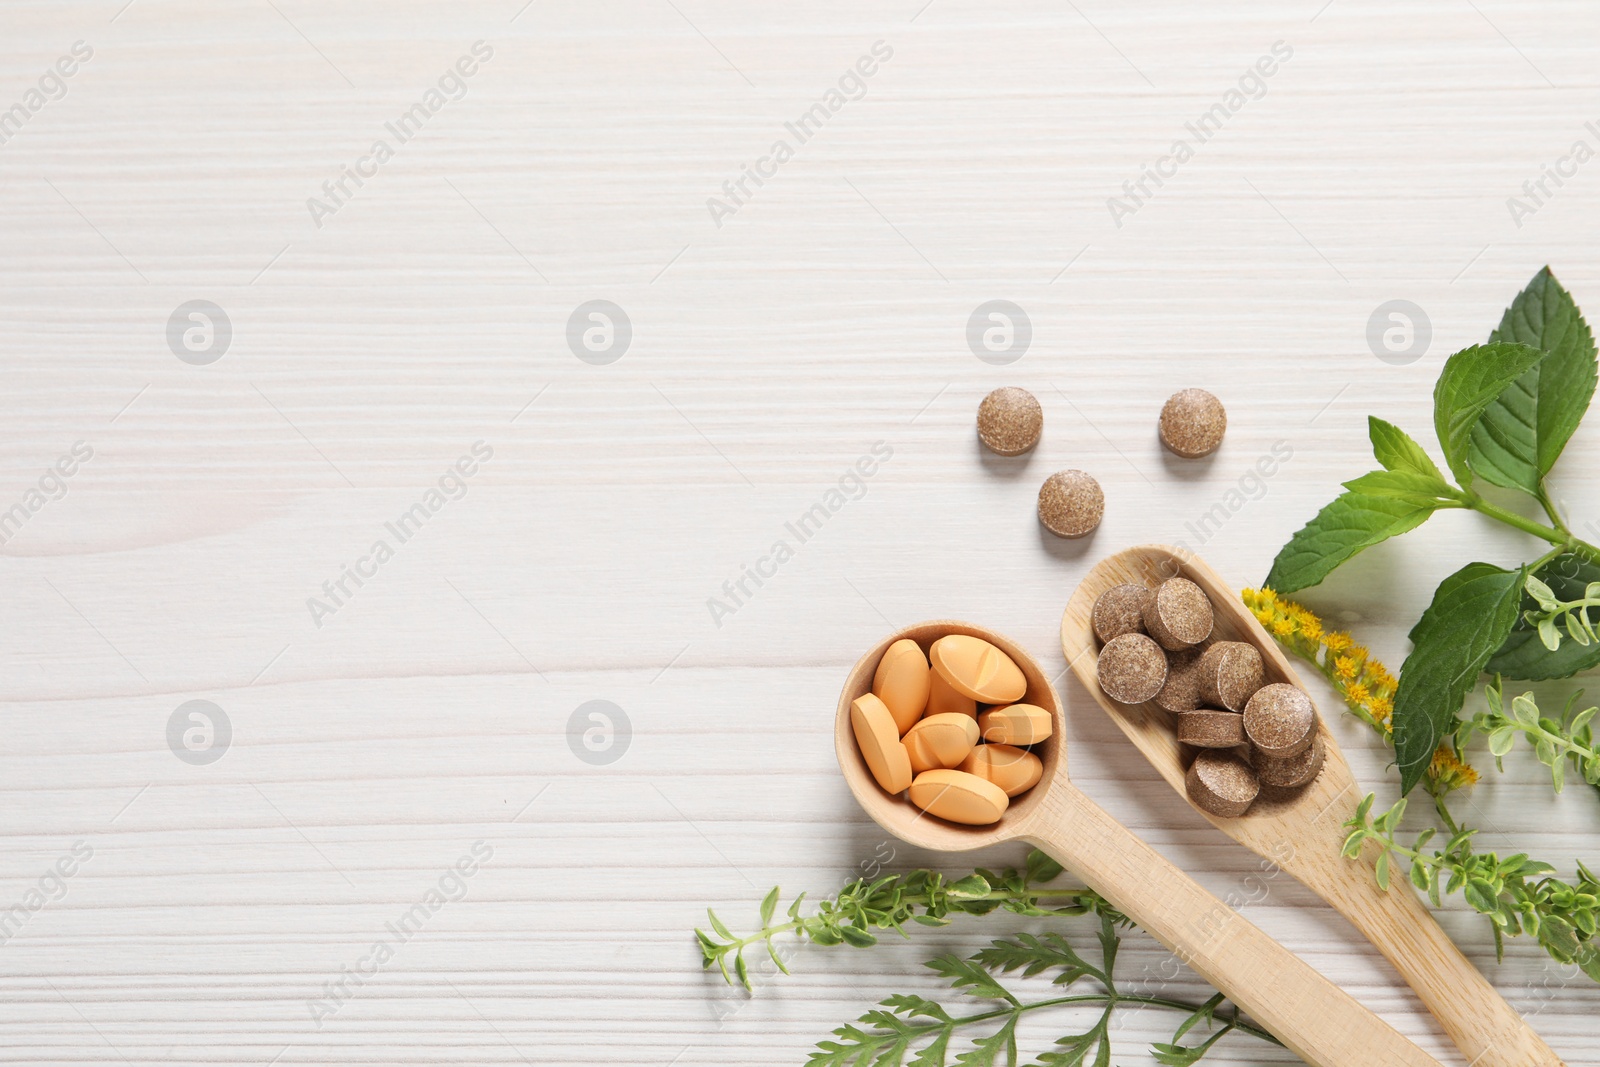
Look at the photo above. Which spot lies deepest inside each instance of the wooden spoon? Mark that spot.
(1316, 1020)
(1303, 835)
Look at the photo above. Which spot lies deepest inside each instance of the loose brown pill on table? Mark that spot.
(1280, 721)
(879, 741)
(942, 700)
(1009, 421)
(1205, 728)
(959, 797)
(940, 741)
(1294, 771)
(1015, 724)
(1192, 423)
(1181, 691)
(1132, 669)
(1178, 614)
(1119, 610)
(1071, 504)
(977, 669)
(901, 682)
(1230, 673)
(1221, 783)
(1013, 769)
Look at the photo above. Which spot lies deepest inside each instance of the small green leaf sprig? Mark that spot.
(922, 897)
(1556, 742)
(914, 1031)
(1519, 895)
(1554, 613)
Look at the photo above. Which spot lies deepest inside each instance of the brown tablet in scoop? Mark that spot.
(1119, 610)
(1132, 669)
(1221, 783)
(1208, 728)
(1294, 771)
(1182, 689)
(1280, 721)
(1230, 672)
(1178, 614)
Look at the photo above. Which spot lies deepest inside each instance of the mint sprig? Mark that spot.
(1502, 412)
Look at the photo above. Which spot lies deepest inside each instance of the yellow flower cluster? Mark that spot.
(1365, 684)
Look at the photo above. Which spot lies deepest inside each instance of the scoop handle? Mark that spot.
(1477, 1018)
(1316, 1020)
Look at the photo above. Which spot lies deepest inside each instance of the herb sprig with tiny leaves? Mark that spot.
(1518, 894)
(907, 1030)
(905, 1025)
(1555, 742)
(921, 897)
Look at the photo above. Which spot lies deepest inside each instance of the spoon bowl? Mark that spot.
(1312, 1017)
(896, 814)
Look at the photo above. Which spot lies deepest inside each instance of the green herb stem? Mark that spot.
(1563, 539)
(1109, 1000)
(1543, 496)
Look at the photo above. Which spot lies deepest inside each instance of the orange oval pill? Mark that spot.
(943, 700)
(1013, 769)
(879, 741)
(901, 682)
(959, 797)
(941, 741)
(1017, 724)
(977, 669)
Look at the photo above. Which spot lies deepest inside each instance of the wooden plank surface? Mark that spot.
(376, 739)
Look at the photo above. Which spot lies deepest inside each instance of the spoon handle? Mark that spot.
(1316, 1020)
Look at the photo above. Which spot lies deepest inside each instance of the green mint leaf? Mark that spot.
(1522, 432)
(1395, 449)
(1471, 613)
(1524, 656)
(1353, 521)
(1421, 490)
(1471, 380)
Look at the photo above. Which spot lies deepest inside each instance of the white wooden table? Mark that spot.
(377, 336)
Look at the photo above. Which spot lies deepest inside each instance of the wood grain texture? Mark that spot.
(431, 710)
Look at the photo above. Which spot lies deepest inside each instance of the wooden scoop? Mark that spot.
(1303, 835)
(1319, 1022)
